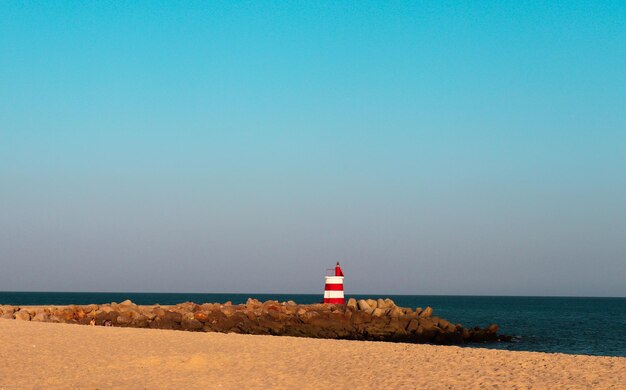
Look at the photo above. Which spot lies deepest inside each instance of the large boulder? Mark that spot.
(22, 315)
(127, 302)
(103, 316)
(7, 309)
(90, 308)
(426, 331)
(66, 314)
(147, 312)
(378, 312)
(372, 303)
(126, 318)
(189, 322)
(169, 320)
(360, 317)
(365, 306)
(41, 316)
(309, 316)
(446, 325)
(201, 316)
(426, 312)
(352, 304)
(412, 326)
(105, 309)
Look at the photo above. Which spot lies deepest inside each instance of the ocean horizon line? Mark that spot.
(312, 294)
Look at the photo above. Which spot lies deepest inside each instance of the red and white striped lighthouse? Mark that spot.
(333, 291)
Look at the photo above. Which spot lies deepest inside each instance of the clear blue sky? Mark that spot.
(434, 148)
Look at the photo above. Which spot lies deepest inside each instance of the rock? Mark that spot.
(309, 316)
(167, 320)
(426, 331)
(364, 306)
(7, 316)
(396, 312)
(147, 312)
(253, 302)
(201, 316)
(90, 308)
(66, 314)
(100, 316)
(22, 315)
(41, 316)
(131, 317)
(390, 303)
(426, 312)
(445, 325)
(7, 309)
(79, 314)
(378, 312)
(105, 309)
(272, 311)
(373, 303)
(361, 317)
(381, 304)
(190, 323)
(352, 304)
(230, 310)
(186, 306)
(140, 321)
(397, 328)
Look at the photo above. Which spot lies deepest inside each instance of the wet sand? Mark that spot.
(47, 355)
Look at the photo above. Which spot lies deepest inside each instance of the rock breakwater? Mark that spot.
(379, 320)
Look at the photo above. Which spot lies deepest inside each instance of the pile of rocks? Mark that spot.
(368, 319)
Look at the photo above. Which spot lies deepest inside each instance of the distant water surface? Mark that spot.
(592, 326)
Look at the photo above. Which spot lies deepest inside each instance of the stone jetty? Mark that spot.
(377, 320)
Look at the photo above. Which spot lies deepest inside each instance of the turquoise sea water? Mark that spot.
(593, 326)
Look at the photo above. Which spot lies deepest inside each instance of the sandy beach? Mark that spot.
(47, 355)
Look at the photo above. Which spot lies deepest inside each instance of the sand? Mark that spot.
(47, 355)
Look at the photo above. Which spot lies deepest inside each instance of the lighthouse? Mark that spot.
(333, 291)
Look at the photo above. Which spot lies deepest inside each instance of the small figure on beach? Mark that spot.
(108, 323)
(92, 322)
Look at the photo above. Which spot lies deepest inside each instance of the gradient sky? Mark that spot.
(433, 148)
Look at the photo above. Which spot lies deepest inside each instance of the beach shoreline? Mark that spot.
(54, 355)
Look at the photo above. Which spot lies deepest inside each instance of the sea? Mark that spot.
(588, 326)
